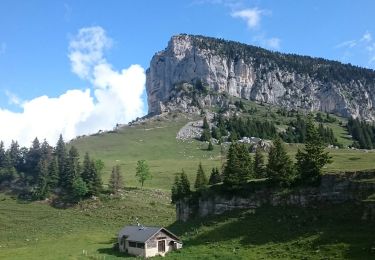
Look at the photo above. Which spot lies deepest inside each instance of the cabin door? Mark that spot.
(161, 246)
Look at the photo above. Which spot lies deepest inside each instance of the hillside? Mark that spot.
(154, 140)
(253, 73)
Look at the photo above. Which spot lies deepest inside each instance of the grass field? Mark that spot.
(156, 142)
(38, 231)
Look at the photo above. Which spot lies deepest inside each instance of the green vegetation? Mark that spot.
(362, 132)
(142, 172)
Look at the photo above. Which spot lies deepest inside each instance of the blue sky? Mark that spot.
(35, 57)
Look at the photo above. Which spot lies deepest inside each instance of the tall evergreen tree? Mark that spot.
(71, 169)
(53, 172)
(181, 187)
(42, 184)
(116, 181)
(2, 154)
(259, 167)
(215, 176)
(201, 179)
(61, 155)
(15, 155)
(33, 158)
(280, 167)
(205, 123)
(311, 161)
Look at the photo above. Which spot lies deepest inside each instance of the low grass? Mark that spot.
(87, 231)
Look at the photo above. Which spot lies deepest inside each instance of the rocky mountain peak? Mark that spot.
(225, 67)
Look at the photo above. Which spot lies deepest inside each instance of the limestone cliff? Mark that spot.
(253, 73)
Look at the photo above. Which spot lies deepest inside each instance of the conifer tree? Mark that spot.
(61, 155)
(259, 167)
(15, 155)
(33, 158)
(214, 177)
(279, 168)
(184, 185)
(53, 173)
(116, 181)
(91, 176)
(2, 154)
(201, 179)
(311, 161)
(71, 169)
(42, 183)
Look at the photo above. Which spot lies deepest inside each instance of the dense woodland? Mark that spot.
(362, 132)
(280, 171)
(42, 170)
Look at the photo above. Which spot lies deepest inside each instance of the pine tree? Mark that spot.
(245, 164)
(175, 196)
(232, 166)
(71, 169)
(259, 167)
(42, 184)
(2, 154)
(206, 135)
(311, 161)
(33, 158)
(91, 176)
(201, 179)
(215, 176)
(53, 173)
(184, 185)
(61, 155)
(279, 168)
(79, 188)
(116, 181)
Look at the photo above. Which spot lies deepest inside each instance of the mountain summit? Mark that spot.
(223, 67)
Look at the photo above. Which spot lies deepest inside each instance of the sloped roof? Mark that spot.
(142, 234)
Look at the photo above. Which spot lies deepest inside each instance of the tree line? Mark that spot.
(280, 171)
(43, 169)
(362, 132)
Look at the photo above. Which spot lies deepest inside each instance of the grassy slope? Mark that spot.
(155, 142)
(35, 230)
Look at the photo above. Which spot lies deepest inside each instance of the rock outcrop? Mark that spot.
(239, 70)
(334, 189)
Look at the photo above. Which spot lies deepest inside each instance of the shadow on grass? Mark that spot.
(307, 230)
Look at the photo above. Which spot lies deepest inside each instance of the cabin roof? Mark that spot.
(142, 234)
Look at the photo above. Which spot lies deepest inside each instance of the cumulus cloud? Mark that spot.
(252, 16)
(115, 97)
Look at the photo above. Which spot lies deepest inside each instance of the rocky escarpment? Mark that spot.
(239, 70)
(350, 187)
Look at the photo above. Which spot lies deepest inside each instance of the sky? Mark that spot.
(78, 66)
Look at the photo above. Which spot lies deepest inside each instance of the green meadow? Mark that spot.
(35, 230)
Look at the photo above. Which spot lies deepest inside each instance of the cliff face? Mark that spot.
(334, 189)
(254, 73)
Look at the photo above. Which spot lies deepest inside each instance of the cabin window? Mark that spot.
(141, 245)
(132, 244)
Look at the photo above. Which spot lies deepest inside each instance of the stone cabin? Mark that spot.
(147, 241)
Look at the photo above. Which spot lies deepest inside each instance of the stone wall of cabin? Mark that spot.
(334, 188)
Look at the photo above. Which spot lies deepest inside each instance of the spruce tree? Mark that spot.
(232, 166)
(174, 191)
(53, 173)
(259, 167)
(91, 176)
(184, 185)
(32, 160)
(61, 155)
(280, 167)
(214, 177)
(205, 124)
(201, 179)
(71, 169)
(116, 181)
(42, 183)
(311, 160)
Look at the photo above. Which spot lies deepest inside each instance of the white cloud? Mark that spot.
(115, 98)
(364, 46)
(271, 43)
(13, 99)
(252, 16)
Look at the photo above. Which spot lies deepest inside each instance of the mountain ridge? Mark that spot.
(253, 73)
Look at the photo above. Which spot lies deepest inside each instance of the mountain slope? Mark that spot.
(253, 73)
